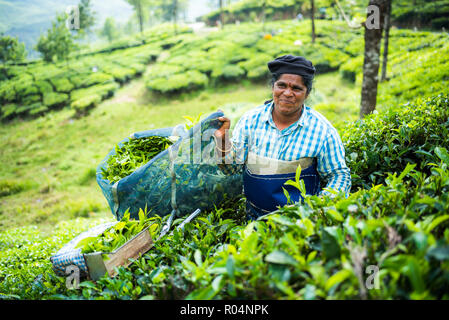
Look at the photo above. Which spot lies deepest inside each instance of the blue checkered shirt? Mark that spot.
(312, 136)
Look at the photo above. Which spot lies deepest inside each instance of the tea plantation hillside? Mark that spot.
(192, 62)
(60, 120)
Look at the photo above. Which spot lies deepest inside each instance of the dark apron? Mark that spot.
(264, 193)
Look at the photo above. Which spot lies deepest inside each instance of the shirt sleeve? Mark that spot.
(332, 165)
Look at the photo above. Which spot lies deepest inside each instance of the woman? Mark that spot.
(271, 141)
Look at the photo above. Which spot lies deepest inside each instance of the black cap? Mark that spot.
(292, 65)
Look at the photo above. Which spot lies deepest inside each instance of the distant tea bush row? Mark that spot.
(81, 82)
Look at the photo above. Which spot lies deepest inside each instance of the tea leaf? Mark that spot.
(280, 257)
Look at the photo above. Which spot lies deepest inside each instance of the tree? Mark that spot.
(220, 4)
(109, 30)
(386, 40)
(373, 37)
(170, 10)
(264, 17)
(11, 50)
(175, 14)
(312, 5)
(58, 42)
(138, 6)
(373, 27)
(87, 16)
(312, 13)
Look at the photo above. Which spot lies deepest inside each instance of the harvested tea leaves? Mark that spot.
(132, 155)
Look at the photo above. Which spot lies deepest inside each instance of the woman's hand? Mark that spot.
(224, 129)
(222, 136)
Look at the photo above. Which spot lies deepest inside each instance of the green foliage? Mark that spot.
(133, 154)
(57, 43)
(11, 50)
(10, 187)
(7, 92)
(87, 16)
(84, 104)
(386, 142)
(121, 74)
(242, 52)
(228, 72)
(28, 251)
(110, 30)
(8, 111)
(248, 10)
(421, 13)
(188, 81)
(97, 78)
(117, 235)
(316, 250)
(44, 87)
(256, 66)
(62, 84)
(101, 90)
(54, 99)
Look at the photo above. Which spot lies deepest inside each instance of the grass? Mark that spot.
(56, 155)
(337, 99)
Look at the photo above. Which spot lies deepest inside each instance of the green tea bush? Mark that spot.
(114, 237)
(48, 84)
(54, 99)
(97, 78)
(411, 66)
(243, 52)
(102, 90)
(10, 187)
(28, 251)
(163, 70)
(439, 23)
(31, 99)
(350, 68)
(7, 92)
(120, 74)
(178, 83)
(318, 250)
(84, 104)
(62, 85)
(44, 87)
(24, 88)
(228, 72)
(8, 111)
(23, 111)
(386, 142)
(37, 109)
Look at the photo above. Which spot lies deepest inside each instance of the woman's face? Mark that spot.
(289, 94)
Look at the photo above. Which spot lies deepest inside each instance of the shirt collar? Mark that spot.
(268, 117)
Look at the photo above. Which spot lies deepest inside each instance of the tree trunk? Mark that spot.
(373, 38)
(140, 15)
(175, 15)
(263, 15)
(386, 40)
(313, 20)
(220, 3)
